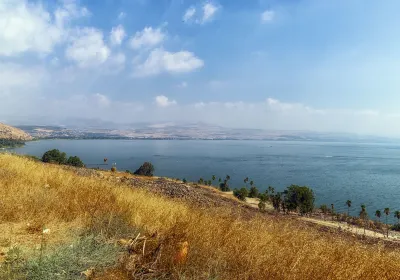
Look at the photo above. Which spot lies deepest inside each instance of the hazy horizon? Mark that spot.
(307, 65)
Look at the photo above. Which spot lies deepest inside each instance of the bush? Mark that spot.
(262, 205)
(324, 208)
(263, 197)
(184, 180)
(253, 193)
(10, 143)
(299, 199)
(54, 156)
(395, 227)
(241, 193)
(146, 169)
(276, 201)
(75, 161)
(224, 186)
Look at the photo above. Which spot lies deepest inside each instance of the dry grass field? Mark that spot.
(59, 223)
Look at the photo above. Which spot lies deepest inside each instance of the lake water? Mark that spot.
(363, 173)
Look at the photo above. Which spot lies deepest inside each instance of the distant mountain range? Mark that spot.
(108, 130)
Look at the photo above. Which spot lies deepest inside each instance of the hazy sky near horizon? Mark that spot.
(289, 64)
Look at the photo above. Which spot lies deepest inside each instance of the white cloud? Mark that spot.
(163, 101)
(15, 76)
(26, 27)
(101, 100)
(121, 15)
(88, 48)
(189, 14)
(117, 35)
(160, 61)
(183, 85)
(267, 16)
(209, 10)
(148, 37)
(69, 10)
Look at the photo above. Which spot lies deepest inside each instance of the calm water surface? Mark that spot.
(363, 173)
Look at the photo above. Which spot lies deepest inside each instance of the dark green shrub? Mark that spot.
(324, 208)
(299, 199)
(241, 193)
(253, 193)
(54, 156)
(75, 161)
(263, 197)
(262, 205)
(224, 186)
(146, 169)
(184, 180)
(276, 201)
(395, 227)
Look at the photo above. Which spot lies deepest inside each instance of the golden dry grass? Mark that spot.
(220, 245)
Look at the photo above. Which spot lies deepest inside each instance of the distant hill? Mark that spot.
(12, 133)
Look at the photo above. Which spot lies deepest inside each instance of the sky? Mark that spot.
(313, 65)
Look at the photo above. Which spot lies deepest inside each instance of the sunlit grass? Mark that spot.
(220, 245)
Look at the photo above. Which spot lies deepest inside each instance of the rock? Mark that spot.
(88, 273)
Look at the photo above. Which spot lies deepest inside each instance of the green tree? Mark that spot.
(271, 190)
(276, 201)
(184, 180)
(201, 181)
(209, 182)
(224, 186)
(364, 215)
(378, 214)
(75, 161)
(241, 193)
(54, 156)
(219, 180)
(397, 216)
(146, 169)
(348, 203)
(262, 205)
(251, 183)
(213, 178)
(387, 212)
(324, 208)
(246, 180)
(253, 193)
(299, 199)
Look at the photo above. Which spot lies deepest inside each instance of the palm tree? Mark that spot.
(387, 212)
(378, 214)
(271, 190)
(246, 180)
(251, 183)
(219, 180)
(228, 177)
(363, 215)
(397, 215)
(348, 203)
(213, 177)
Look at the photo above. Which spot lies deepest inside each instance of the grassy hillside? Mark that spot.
(56, 222)
(12, 133)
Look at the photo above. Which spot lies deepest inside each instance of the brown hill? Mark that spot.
(9, 132)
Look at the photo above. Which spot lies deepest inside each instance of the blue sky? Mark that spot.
(289, 64)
